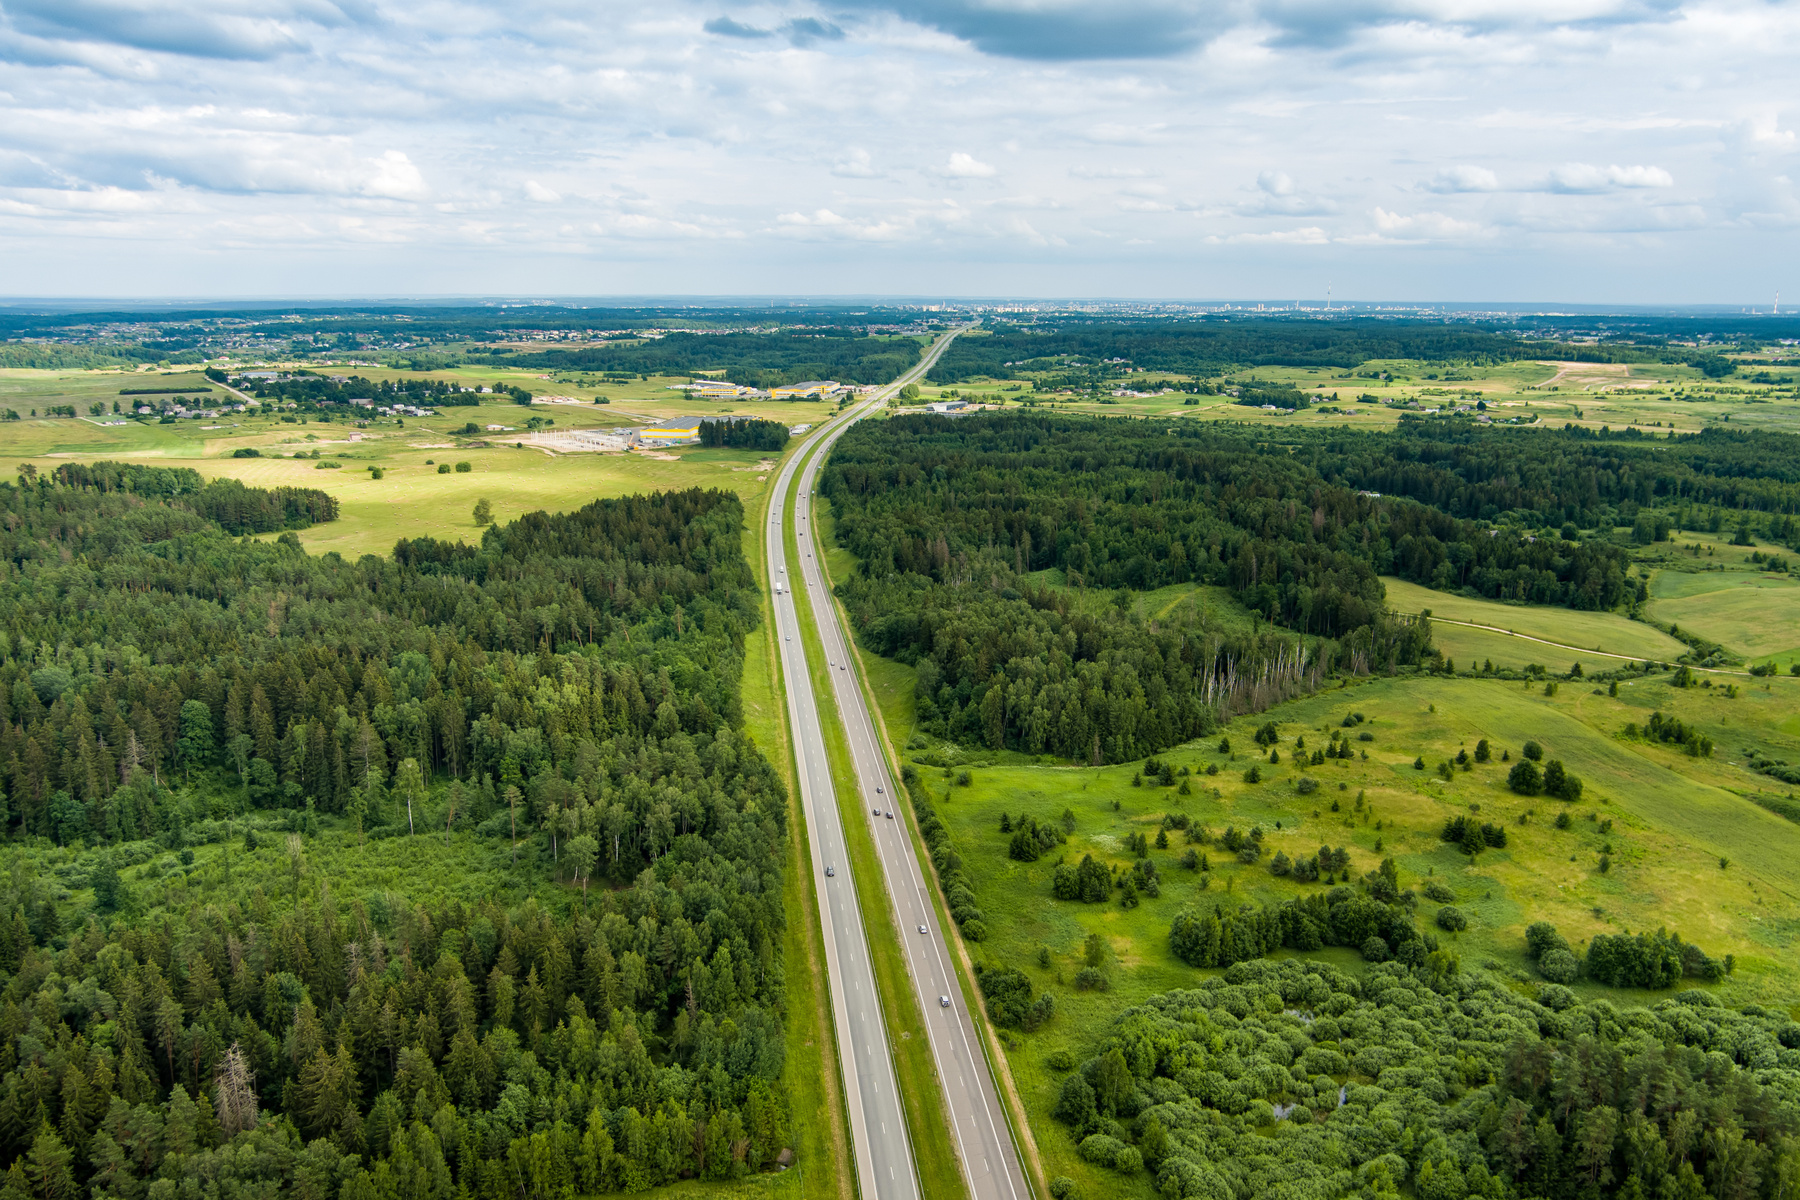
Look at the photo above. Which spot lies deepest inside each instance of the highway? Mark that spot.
(884, 1165)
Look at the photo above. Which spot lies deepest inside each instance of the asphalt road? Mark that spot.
(984, 1145)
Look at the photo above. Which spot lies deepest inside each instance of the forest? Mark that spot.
(762, 360)
(567, 688)
(745, 433)
(1213, 346)
(1296, 1079)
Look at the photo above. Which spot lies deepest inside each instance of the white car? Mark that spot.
(921, 929)
(943, 1002)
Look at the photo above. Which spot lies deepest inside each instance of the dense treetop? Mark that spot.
(1295, 1079)
(570, 683)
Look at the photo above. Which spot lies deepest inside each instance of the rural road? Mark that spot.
(984, 1146)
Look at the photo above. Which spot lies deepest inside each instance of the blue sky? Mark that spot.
(1608, 151)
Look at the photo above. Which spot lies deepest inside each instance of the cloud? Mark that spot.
(855, 164)
(804, 31)
(801, 31)
(1422, 227)
(1310, 235)
(1577, 178)
(1065, 30)
(1463, 178)
(1275, 183)
(726, 27)
(540, 193)
(967, 166)
(199, 29)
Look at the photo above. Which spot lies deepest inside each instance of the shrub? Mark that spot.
(1532, 750)
(1307, 786)
(1375, 948)
(246, 452)
(1451, 918)
(377, 473)
(443, 468)
(1559, 966)
(1060, 1060)
(1062, 1188)
(464, 468)
(1128, 1161)
(1525, 778)
(1438, 892)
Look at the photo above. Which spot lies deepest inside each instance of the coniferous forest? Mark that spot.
(565, 692)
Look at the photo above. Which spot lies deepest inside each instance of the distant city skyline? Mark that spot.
(1594, 152)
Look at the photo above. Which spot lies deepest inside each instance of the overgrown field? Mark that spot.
(1664, 822)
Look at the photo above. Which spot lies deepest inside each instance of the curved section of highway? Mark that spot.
(984, 1145)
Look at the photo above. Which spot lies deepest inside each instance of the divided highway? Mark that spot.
(884, 1165)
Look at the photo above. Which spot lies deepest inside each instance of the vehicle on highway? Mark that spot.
(878, 790)
(921, 929)
(876, 810)
(890, 816)
(829, 872)
(943, 1002)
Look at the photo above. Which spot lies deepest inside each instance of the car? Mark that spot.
(876, 810)
(943, 1002)
(829, 872)
(890, 816)
(921, 929)
(878, 790)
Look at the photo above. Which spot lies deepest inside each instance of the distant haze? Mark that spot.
(1598, 151)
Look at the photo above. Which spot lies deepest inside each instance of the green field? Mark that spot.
(1749, 611)
(1656, 396)
(1673, 819)
(1543, 634)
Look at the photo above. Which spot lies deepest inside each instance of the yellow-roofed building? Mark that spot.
(812, 389)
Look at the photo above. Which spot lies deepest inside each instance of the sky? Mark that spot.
(1598, 151)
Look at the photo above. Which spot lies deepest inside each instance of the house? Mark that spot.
(947, 406)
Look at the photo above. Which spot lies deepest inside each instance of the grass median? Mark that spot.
(928, 1128)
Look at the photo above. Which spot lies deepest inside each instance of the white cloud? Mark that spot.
(1424, 227)
(125, 144)
(1275, 183)
(1463, 178)
(967, 166)
(1585, 177)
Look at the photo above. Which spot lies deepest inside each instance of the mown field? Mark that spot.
(1672, 820)
(1724, 597)
(1552, 637)
(412, 499)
